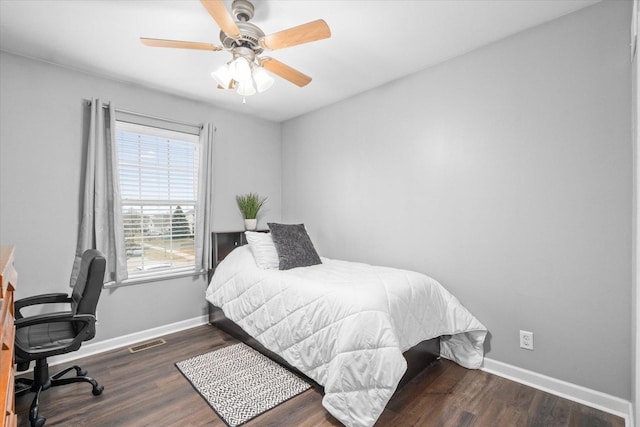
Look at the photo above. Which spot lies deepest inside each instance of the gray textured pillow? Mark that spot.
(293, 245)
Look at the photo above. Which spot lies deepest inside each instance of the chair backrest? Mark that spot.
(86, 291)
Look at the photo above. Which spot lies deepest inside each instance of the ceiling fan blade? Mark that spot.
(284, 71)
(305, 33)
(179, 44)
(232, 85)
(223, 18)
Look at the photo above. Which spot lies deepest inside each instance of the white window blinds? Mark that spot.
(158, 171)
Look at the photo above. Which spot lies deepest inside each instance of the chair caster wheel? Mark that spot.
(38, 422)
(81, 373)
(97, 391)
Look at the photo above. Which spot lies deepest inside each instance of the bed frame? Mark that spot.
(418, 357)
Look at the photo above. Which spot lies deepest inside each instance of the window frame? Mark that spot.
(177, 131)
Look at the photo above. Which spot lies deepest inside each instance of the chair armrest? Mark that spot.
(39, 299)
(62, 316)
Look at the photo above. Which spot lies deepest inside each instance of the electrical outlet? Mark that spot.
(526, 340)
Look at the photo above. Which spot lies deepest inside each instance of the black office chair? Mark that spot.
(44, 335)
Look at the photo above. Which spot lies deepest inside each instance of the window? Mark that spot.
(158, 172)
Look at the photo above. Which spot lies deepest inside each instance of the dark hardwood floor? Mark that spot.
(146, 389)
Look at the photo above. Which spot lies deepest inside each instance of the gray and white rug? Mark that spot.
(239, 383)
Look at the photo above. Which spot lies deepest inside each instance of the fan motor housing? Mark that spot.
(249, 36)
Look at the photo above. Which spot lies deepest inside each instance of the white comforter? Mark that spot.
(345, 324)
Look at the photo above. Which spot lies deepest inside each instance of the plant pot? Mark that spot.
(250, 224)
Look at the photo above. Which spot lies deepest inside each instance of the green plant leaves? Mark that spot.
(250, 204)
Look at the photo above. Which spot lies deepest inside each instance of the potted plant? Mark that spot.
(250, 205)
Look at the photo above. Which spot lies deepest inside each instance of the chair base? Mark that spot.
(42, 381)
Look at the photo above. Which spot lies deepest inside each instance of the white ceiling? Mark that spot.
(373, 42)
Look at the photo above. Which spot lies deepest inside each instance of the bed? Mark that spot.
(354, 329)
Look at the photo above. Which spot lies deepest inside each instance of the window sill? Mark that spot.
(147, 278)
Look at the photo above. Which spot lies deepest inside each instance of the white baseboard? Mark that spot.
(92, 348)
(585, 396)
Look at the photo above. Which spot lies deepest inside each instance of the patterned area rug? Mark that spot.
(239, 383)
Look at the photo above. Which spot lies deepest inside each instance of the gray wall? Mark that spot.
(41, 147)
(506, 175)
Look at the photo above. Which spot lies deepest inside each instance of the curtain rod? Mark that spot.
(148, 116)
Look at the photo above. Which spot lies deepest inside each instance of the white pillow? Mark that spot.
(264, 251)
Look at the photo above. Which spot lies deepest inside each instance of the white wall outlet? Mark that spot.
(526, 340)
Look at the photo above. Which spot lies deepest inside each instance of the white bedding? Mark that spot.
(345, 324)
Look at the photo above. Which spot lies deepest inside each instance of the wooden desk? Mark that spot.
(8, 280)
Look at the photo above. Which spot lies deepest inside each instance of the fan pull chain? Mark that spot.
(244, 100)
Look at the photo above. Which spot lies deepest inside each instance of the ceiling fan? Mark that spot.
(245, 72)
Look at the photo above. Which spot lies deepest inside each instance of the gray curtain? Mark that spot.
(205, 198)
(101, 225)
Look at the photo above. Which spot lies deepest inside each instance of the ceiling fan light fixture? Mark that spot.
(240, 69)
(262, 79)
(222, 75)
(245, 88)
